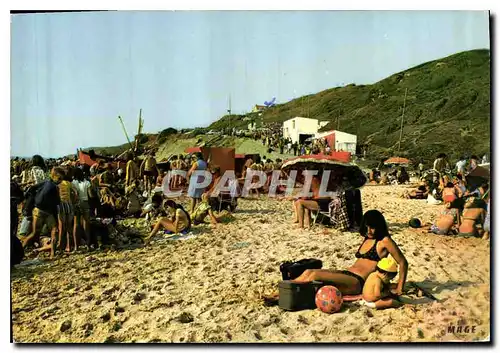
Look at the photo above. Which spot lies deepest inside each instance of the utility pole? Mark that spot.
(402, 119)
(139, 129)
(229, 112)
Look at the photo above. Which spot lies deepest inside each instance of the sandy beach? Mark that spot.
(208, 288)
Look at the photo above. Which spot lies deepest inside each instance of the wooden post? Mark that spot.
(125, 131)
(402, 119)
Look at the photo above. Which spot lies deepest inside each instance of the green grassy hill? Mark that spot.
(447, 109)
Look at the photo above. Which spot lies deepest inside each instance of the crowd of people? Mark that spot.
(59, 205)
(466, 201)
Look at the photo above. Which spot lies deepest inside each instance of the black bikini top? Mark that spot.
(370, 254)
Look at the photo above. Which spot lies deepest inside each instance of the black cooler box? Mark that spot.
(298, 296)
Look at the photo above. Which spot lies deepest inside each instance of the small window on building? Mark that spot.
(293, 124)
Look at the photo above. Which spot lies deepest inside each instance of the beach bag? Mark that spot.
(292, 270)
(354, 207)
(298, 296)
(339, 217)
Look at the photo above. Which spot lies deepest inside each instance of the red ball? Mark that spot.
(329, 299)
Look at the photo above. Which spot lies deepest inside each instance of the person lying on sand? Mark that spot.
(420, 193)
(377, 244)
(204, 209)
(474, 214)
(448, 218)
(377, 289)
(180, 222)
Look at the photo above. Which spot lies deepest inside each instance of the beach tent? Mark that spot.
(216, 156)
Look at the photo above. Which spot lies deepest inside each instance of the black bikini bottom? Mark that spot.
(358, 277)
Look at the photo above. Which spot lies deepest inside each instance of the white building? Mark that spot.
(339, 141)
(299, 129)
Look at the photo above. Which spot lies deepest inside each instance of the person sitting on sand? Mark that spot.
(448, 219)
(180, 221)
(450, 191)
(377, 289)
(385, 179)
(486, 225)
(204, 209)
(377, 244)
(474, 213)
(420, 193)
(373, 177)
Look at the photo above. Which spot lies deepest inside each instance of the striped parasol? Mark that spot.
(342, 175)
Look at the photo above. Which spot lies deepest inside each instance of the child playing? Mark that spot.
(376, 291)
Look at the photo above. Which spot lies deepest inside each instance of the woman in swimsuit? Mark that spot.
(474, 213)
(180, 222)
(376, 245)
(448, 218)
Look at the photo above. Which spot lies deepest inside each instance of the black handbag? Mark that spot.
(291, 270)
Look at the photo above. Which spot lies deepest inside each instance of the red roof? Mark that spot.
(192, 149)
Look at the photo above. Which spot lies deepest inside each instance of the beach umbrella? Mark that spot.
(397, 160)
(477, 177)
(342, 175)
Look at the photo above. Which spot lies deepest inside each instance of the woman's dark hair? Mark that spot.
(199, 155)
(78, 174)
(441, 155)
(37, 161)
(374, 219)
(450, 184)
(473, 157)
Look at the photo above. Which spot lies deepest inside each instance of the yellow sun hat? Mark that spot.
(388, 264)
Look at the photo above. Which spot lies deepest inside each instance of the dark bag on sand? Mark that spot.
(298, 296)
(292, 270)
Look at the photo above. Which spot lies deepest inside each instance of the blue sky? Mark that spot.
(72, 74)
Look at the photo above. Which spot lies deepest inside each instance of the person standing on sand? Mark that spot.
(82, 207)
(47, 201)
(193, 192)
(149, 171)
(377, 244)
(132, 171)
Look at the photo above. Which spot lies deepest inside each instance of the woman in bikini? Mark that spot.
(180, 222)
(448, 218)
(474, 213)
(377, 244)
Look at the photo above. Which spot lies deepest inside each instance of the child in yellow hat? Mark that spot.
(376, 291)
